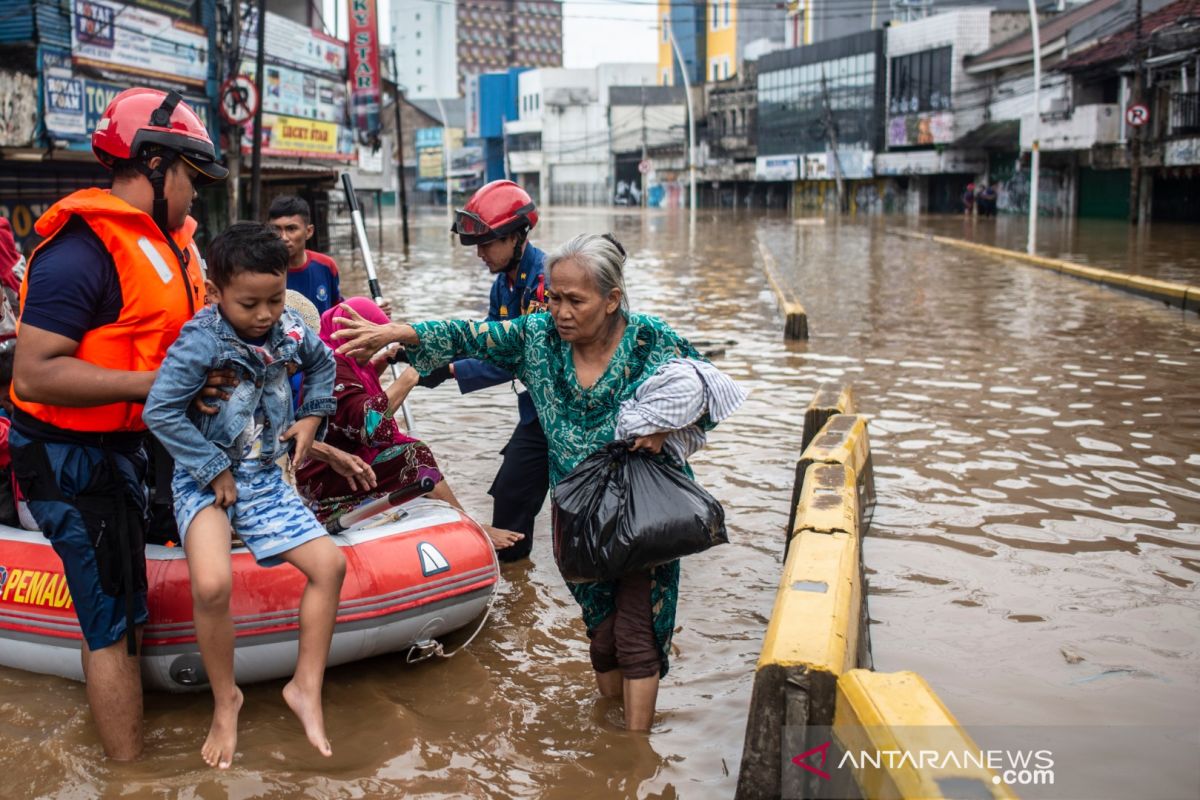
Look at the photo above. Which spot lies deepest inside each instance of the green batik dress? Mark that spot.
(577, 421)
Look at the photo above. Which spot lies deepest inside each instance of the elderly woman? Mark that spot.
(579, 363)
(364, 427)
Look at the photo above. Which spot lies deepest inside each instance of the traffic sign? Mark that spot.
(645, 167)
(1137, 115)
(239, 100)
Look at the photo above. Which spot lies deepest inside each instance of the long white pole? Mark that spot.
(687, 88)
(446, 158)
(1035, 158)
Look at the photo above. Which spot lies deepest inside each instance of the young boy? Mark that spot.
(225, 470)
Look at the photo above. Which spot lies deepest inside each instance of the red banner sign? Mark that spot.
(366, 83)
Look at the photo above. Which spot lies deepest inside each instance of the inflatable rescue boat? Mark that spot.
(413, 574)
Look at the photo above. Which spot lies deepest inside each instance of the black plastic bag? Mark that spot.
(619, 512)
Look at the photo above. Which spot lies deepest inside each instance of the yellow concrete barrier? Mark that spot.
(828, 500)
(795, 317)
(812, 639)
(896, 713)
(843, 440)
(1179, 295)
(828, 400)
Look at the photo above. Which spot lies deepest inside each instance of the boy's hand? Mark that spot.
(224, 488)
(303, 432)
(219, 382)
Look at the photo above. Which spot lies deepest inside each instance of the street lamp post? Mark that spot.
(1035, 156)
(687, 88)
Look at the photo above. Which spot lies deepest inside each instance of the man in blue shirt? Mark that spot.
(312, 274)
(497, 221)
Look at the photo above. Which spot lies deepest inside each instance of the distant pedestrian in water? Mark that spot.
(987, 200)
(968, 200)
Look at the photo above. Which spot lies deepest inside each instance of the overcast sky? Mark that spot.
(594, 31)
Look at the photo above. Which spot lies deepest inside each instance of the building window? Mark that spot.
(715, 66)
(726, 13)
(666, 23)
(714, 18)
(666, 76)
(725, 67)
(920, 82)
(418, 16)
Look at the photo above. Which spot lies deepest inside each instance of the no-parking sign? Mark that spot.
(239, 100)
(1137, 115)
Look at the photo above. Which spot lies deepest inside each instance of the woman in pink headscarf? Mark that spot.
(364, 426)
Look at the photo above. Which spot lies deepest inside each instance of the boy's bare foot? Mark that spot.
(307, 708)
(221, 743)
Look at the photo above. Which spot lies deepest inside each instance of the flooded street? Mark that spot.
(1033, 555)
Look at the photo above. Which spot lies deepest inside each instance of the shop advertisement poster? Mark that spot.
(293, 44)
(294, 93)
(123, 38)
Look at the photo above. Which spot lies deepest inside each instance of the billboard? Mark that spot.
(776, 168)
(935, 127)
(466, 163)
(109, 35)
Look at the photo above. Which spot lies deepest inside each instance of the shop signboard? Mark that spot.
(297, 137)
(776, 168)
(365, 85)
(113, 36)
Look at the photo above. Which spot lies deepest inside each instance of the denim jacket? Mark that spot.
(206, 444)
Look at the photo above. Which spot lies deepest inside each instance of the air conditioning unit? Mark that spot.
(1058, 105)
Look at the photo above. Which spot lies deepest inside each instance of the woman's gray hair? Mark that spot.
(601, 255)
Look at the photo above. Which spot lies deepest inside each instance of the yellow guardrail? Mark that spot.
(828, 400)
(843, 440)
(1180, 295)
(881, 717)
(809, 681)
(795, 317)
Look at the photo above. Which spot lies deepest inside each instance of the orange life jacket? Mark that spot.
(159, 293)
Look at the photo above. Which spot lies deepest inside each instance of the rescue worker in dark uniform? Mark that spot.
(105, 295)
(497, 221)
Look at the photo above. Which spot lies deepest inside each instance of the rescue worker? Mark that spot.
(497, 221)
(105, 295)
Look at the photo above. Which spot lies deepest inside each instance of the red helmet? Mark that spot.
(493, 212)
(140, 118)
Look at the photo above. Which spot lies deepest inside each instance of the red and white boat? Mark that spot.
(413, 574)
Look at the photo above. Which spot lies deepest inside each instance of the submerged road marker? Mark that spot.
(1179, 295)
(796, 318)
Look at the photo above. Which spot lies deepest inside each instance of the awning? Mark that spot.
(1004, 135)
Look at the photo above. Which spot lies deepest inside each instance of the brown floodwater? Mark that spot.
(1037, 460)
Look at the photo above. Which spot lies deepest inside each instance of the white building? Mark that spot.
(558, 147)
(425, 35)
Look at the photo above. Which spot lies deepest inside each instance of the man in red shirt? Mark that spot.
(312, 274)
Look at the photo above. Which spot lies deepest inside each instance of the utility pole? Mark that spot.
(233, 186)
(831, 132)
(1035, 158)
(643, 161)
(1135, 135)
(256, 151)
(687, 88)
(399, 99)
